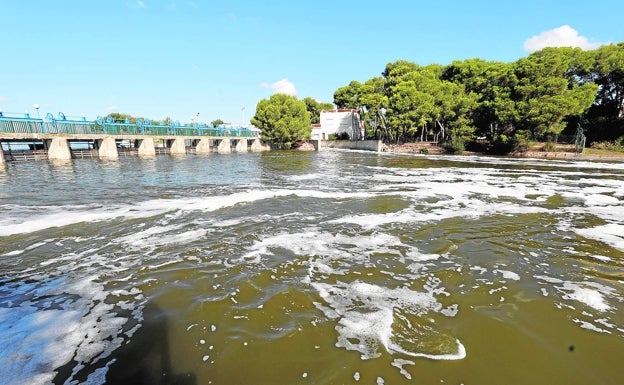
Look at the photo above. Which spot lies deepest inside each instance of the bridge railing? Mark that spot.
(62, 125)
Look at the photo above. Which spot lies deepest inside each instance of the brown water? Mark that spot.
(312, 268)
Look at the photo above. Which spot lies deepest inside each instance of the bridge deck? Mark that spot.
(106, 137)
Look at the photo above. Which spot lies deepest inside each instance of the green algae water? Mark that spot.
(312, 268)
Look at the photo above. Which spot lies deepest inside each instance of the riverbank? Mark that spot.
(428, 149)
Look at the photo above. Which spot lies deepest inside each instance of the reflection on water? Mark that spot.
(146, 358)
(329, 267)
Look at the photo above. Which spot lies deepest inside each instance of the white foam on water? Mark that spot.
(508, 274)
(59, 216)
(170, 239)
(590, 326)
(592, 294)
(548, 279)
(612, 234)
(366, 313)
(139, 238)
(480, 269)
(79, 327)
(458, 200)
(592, 297)
(13, 253)
(305, 177)
(400, 363)
(326, 246)
(602, 258)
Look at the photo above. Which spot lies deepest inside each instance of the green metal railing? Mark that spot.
(28, 125)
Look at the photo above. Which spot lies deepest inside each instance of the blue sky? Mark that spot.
(159, 58)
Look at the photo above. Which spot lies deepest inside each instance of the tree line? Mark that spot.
(284, 119)
(550, 92)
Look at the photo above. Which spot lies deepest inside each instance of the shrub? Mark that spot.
(455, 145)
(549, 147)
(617, 145)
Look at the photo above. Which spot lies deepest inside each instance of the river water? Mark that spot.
(331, 267)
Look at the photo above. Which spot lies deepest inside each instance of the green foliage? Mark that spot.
(549, 146)
(548, 91)
(616, 146)
(314, 109)
(456, 144)
(217, 122)
(282, 119)
(339, 136)
(538, 97)
(121, 118)
(348, 96)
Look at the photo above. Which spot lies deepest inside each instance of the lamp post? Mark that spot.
(36, 107)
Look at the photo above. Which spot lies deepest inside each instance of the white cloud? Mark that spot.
(282, 86)
(564, 36)
(4, 99)
(111, 108)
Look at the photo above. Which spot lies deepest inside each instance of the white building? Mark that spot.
(339, 121)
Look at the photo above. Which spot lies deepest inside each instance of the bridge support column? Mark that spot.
(241, 145)
(58, 149)
(203, 147)
(146, 147)
(178, 147)
(224, 146)
(257, 146)
(107, 149)
(2, 160)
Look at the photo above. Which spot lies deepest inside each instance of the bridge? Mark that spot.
(59, 138)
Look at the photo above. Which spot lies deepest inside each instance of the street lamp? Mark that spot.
(37, 106)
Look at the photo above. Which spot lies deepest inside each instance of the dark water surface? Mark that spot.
(312, 268)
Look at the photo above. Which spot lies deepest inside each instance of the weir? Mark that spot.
(57, 137)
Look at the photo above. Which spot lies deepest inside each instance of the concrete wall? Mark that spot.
(366, 145)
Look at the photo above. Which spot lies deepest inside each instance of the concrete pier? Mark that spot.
(54, 138)
(146, 147)
(241, 145)
(2, 161)
(224, 146)
(258, 146)
(107, 148)
(178, 147)
(203, 146)
(58, 149)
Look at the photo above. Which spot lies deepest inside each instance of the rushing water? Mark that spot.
(312, 268)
